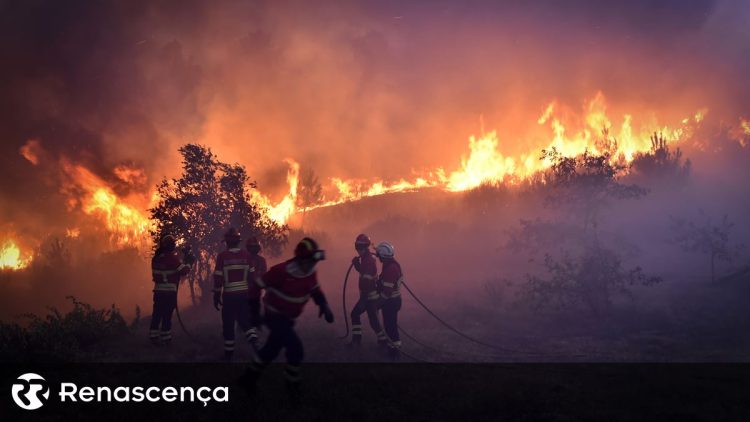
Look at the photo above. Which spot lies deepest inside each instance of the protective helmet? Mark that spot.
(232, 236)
(167, 241)
(253, 245)
(384, 250)
(308, 248)
(362, 241)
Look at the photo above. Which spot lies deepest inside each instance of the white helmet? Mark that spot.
(384, 250)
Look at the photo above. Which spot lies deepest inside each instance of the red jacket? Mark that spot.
(260, 270)
(288, 289)
(368, 274)
(234, 268)
(166, 270)
(390, 279)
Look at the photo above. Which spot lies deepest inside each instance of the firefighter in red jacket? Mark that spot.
(365, 265)
(389, 283)
(234, 271)
(259, 263)
(166, 271)
(288, 285)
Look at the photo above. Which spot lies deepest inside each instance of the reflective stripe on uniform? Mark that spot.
(259, 282)
(236, 286)
(165, 287)
(373, 296)
(357, 329)
(292, 299)
(164, 274)
(367, 277)
(219, 273)
(183, 266)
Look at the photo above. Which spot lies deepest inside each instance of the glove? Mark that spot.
(217, 301)
(355, 261)
(326, 311)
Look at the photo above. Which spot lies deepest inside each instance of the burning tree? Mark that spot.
(588, 272)
(208, 198)
(310, 191)
(588, 183)
(661, 162)
(704, 237)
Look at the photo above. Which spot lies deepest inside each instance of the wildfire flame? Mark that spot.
(126, 223)
(125, 218)
(11, 257)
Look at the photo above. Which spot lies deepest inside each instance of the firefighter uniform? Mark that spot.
(234, 269)
(287, 291)
(368, 298)
(259, 263)
(389, 282)
(166, 271)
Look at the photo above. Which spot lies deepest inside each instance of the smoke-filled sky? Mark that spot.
(352, 89)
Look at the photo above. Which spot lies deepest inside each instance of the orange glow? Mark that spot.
(123, 219)
(126, 221)
(11, 257)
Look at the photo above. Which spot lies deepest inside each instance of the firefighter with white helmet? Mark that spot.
(389, 284)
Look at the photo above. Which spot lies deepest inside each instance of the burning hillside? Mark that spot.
(123, 217)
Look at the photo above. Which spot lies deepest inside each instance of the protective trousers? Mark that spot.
(390, 320)
(371, 307)
(236, 310)
(161, 317)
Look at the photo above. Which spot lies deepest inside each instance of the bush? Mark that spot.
(76, 335)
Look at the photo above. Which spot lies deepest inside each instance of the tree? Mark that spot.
(587, 183)
(661, 162)
(197, 208)
(587, 271)
(704, 237)
(309, 191)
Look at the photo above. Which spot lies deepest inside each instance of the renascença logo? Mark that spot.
(30, 391)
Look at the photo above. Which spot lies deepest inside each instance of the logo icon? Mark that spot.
(30, 391)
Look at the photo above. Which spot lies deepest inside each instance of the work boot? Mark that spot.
(153, 337)
(228, 356)
(252, 336)
(382, 339)
(356, 340)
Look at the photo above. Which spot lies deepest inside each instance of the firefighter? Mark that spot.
(389, 284)
(259, 263)
(234, 269)
(288, 286)
(365, 265)
(166, 270)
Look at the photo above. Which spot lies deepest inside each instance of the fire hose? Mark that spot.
(343, 301)
(441, 321)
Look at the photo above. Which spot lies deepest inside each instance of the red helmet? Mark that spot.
(308, 248)
(362, 241)
(232, 236)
